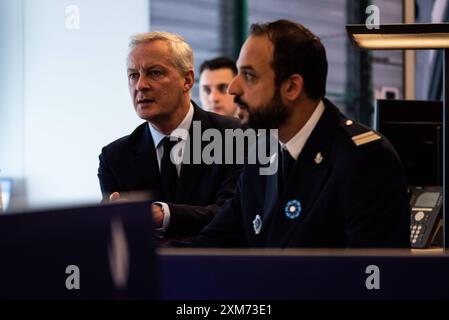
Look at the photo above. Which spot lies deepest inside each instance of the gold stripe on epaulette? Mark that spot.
(365, 138)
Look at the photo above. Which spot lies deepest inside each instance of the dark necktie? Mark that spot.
(287, 163)
(169, 175)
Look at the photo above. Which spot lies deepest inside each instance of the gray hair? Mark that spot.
(183, 54)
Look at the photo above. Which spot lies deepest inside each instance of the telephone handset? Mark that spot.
(425, 215)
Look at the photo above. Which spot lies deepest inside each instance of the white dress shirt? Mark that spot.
(295, 145)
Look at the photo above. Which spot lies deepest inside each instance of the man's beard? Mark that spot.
(269, 116)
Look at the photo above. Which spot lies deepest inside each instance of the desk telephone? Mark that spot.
(425, 215)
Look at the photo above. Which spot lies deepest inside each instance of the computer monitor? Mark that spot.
(97, 252)
(415, 128)
(5, 194)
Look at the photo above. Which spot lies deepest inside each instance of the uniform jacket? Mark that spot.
(347, 188)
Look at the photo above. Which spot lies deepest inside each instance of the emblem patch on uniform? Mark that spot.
(257, 224)
(293, 209)
(318, 158)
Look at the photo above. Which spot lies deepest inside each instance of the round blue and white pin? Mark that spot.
(293, 209)
(257, 224)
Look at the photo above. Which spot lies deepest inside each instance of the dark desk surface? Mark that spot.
(258, 274)
(301, 252)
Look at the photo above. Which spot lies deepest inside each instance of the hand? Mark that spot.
(158, 215)
(116, 197)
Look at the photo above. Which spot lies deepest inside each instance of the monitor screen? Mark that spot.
(415, 128)
(5, 194)
(92, 252)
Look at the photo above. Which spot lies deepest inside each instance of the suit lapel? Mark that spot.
(191, 173)
(308, 176)
(271, 192)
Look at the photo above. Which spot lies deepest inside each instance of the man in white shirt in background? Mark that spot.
(215, 76)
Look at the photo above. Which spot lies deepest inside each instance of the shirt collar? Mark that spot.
(182, 131)
(296, 144)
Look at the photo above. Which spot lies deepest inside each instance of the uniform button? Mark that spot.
(349, 123)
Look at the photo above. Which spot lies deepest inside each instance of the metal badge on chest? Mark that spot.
(257, 224)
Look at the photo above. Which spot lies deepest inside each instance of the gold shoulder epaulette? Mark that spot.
(365, 138)
(359, 134)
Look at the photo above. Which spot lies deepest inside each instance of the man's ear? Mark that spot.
(189, 80)
(292, 87)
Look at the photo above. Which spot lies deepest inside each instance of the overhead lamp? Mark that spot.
(400, 36)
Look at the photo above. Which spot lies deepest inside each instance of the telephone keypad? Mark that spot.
(417, 228)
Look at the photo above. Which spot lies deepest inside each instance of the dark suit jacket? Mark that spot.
(130, 164)
(355, 197)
